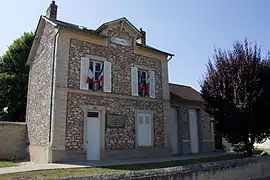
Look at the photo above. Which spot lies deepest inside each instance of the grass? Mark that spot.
(7, 164)
(73, 172)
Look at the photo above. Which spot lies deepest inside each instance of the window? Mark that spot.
(144, 130)
(143, 83)
(92, 114)
(95, 75)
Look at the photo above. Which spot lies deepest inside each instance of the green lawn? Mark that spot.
(7, 164)
(73, 172)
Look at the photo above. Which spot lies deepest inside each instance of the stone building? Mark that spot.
(191, 130)
(94, 94)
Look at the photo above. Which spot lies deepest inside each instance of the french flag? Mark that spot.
(147, 86)
(90, 76)
(100, 77)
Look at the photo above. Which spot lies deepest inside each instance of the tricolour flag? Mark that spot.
(90, 76)
(147, 85)
(140, 83)
(101, 76)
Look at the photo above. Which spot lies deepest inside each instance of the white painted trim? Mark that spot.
(144, 112)
(94, 57)
(102, 113)
(46, 19)
(119, 20)
(100, 93)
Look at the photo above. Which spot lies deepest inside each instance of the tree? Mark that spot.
(14, 79)
(236, 90)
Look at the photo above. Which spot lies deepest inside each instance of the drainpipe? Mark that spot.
(52, 90)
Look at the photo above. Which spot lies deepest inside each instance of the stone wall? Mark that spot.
(115, 138)
(121, 57)
(39, 89)
(39, 96)
(240, 169)
(207, 131)
(13, 137)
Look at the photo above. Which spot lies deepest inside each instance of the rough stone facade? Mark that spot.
(115, 138)
(205, 134)
(185, 124)
(206, 125)
(122, 59)
(39, 89)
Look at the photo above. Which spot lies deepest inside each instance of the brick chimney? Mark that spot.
(52, 11)
(143, 38)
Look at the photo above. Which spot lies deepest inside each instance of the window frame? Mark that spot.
(94, 61)
(140, 71)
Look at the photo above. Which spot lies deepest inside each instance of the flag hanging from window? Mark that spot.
(90, 76)
(140, 82)
(101, 77)
(147, 85)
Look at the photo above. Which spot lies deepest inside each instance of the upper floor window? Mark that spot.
(142, 82)
(95, 75)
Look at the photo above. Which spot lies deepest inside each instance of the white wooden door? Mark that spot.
(193, 130)
(93, 138)
(144, 130)
(173, 130)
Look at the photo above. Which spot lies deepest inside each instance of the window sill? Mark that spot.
(109, 94)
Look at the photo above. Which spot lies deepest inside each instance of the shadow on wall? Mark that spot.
(14, 138)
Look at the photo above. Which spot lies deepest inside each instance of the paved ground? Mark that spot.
(34, 167)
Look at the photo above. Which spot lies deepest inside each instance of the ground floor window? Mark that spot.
(145, 127)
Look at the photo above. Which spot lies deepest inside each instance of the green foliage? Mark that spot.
(236, 89)
(14, 79)
(239, 147)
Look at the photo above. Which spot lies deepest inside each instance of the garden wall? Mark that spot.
(13, 136)
(240, 169)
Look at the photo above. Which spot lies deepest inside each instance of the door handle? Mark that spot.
(87, 141)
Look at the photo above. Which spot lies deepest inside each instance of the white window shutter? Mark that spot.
(107, 77)
(134, 81)
(84, 73)
(152, 91)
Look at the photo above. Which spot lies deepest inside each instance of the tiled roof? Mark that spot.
(91, 31)
(185, 92)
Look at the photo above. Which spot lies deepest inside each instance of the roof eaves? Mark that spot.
(102, 26)
(154, 49)
(35, 41)
(73, 26)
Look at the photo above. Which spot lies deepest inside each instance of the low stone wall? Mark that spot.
(240, 169)
(13, 136)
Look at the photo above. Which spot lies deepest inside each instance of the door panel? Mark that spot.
(144, 130)
(193, 130)
(93, 138)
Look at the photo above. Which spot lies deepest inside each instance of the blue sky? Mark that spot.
(188, 29)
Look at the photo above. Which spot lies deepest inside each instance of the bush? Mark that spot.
(240, 147)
